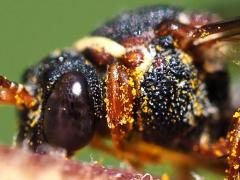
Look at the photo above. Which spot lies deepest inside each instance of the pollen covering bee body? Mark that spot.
(150, 79)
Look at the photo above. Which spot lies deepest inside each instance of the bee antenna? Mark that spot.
(215, 31)
(14, 93)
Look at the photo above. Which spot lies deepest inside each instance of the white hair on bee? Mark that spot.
(100, 43)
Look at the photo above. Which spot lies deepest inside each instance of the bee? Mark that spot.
(154, 80)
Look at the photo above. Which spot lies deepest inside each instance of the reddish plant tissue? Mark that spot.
(18, 164)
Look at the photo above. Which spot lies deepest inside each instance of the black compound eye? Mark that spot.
(68, 113)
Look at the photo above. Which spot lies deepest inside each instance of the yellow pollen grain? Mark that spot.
(131, 82)
(193, 84)
(236, 166)
(198, 109)
(124, 120)
(145, 109)
(184, 92)
(131, 120)
(125, 101)
(33, 103)
(204, 33)
(218, 153)
(158, 48)
(236, 115)
(186, 59)
(107, 104)
(175, 43)
(168, 58)
(121, 88)
(134, 92)
(18, 100)
(234, 153)
(110, 125)
(144, 106)
(34, 122)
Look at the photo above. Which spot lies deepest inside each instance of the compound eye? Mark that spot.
(68, 116)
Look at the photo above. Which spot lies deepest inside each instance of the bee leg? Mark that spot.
(229, 147)
(233, 137)
(214, 151)
(13, 93)
(99, 143)
(120, 96)
(119, 102)
(137, 154)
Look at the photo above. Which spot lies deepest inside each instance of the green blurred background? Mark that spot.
(31, 29)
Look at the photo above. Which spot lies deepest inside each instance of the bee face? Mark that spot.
(70, 105)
